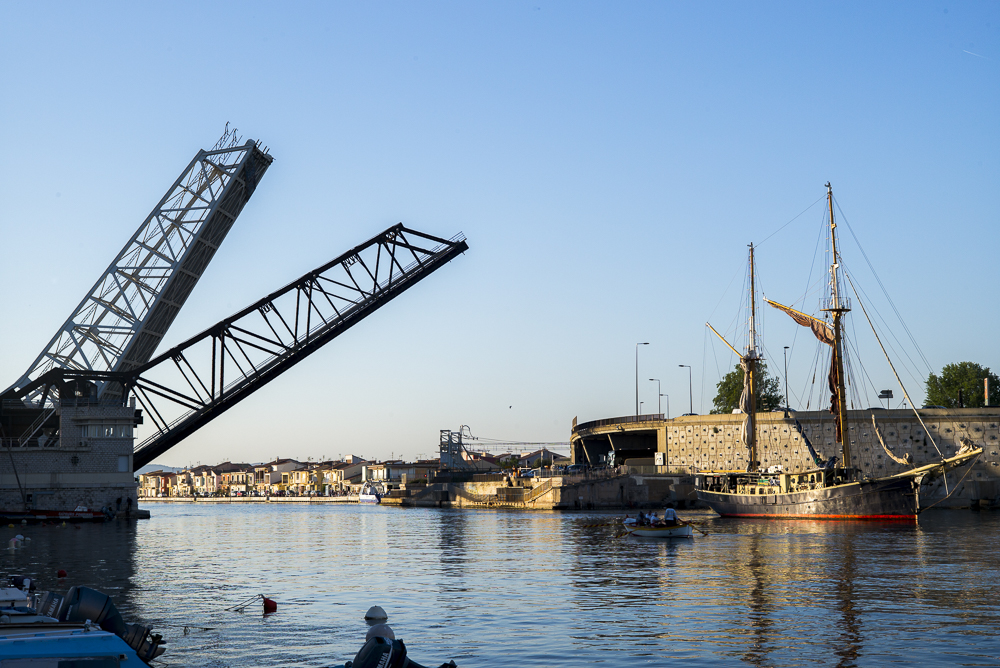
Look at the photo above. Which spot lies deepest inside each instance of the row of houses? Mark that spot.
(282, 477)
(522, 460)
(290, 477)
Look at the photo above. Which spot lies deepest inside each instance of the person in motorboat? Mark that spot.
(381, 648)
(670, 517)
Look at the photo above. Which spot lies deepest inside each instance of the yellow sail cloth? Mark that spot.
(825, 334)
(819, 327)
(905, 459)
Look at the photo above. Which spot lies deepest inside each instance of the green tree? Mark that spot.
(730, 388)
(508, 463)
(966, 376)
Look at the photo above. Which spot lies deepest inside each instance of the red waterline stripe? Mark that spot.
(823, 517)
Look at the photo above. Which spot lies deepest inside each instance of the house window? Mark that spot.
(108, 431)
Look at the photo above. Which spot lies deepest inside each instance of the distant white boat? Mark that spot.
(371, 493)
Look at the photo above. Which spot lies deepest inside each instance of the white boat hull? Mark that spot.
(682, 531)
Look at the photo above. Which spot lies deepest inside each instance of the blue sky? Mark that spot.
(608, 163)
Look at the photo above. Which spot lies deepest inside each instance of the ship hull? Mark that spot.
(893, 499)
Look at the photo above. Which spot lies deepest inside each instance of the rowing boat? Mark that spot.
(676, 531)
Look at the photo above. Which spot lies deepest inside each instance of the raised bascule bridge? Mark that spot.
(67, 425)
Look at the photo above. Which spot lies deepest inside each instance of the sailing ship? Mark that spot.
(836, 489)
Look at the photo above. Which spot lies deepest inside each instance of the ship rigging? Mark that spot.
(836, 489)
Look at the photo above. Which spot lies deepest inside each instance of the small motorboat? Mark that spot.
(371, 493)
(49, 645)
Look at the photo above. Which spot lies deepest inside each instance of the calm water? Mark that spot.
(494, 588)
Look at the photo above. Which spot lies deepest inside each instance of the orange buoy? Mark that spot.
(270, 605)
(61, 573)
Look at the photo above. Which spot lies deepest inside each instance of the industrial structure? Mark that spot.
(67, 424)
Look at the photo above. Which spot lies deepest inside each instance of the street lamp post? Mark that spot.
(637, 375)
(640, 406)
(658, 395)
(786, 381)
(690, 388)
(668, 404)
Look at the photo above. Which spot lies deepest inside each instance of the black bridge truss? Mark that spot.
(188, 386)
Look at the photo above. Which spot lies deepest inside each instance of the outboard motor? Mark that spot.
(83, 603)
(50, 604)
(380, 652)
(145, 643)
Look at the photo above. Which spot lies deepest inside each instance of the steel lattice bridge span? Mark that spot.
(102, 357)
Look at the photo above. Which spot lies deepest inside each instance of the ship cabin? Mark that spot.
(760, 482)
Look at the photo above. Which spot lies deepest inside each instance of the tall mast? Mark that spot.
(750, 361)
(752, 346)
(838, 311)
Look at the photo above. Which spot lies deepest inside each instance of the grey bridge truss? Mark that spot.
(122, 319)
(186, 387)
(110, 338)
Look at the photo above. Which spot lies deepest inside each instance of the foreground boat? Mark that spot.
(49, 630)
(58, 645)
(834, 490)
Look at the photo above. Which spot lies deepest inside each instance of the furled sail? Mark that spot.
(820, 328)
(745, 407)
(824, 333)
(833, 383)
(905, 459)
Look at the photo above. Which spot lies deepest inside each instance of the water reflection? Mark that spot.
(850, 634)
(452, 532)
(756, 652)
(89, 553)
(539, 589)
